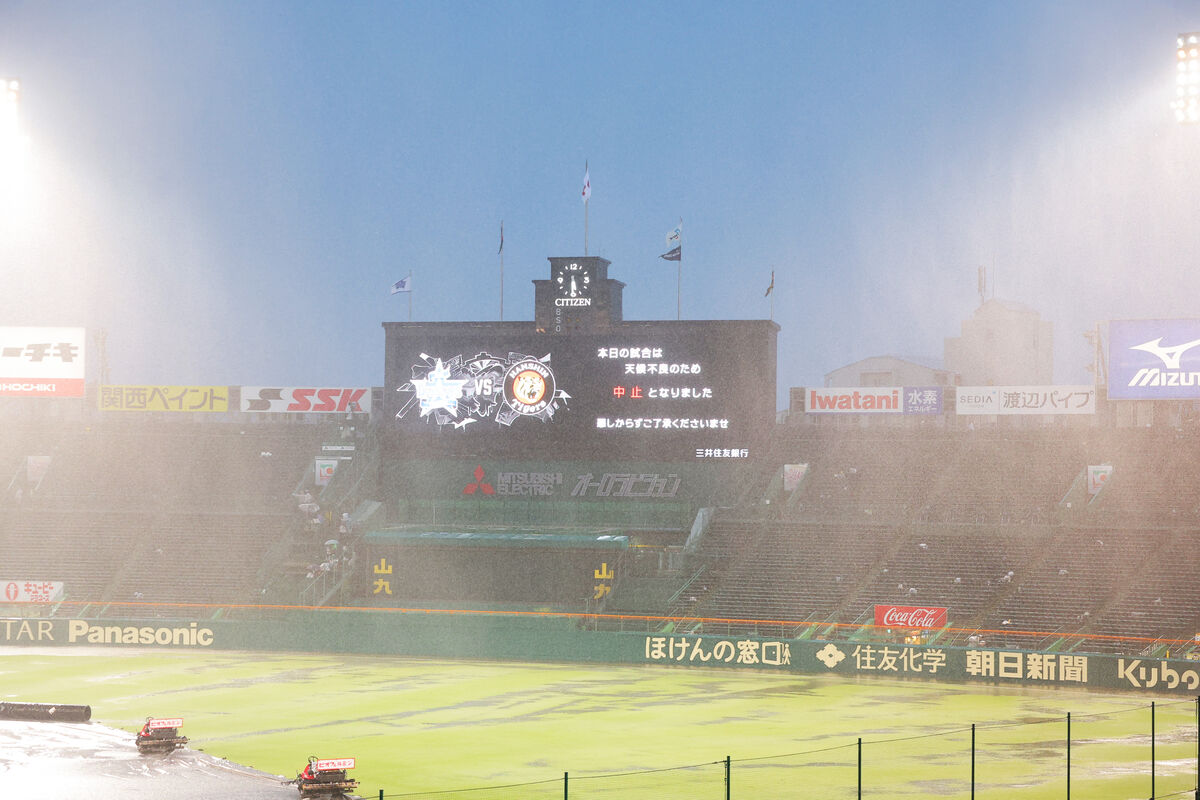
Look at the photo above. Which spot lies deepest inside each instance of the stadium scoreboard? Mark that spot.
(650, 390)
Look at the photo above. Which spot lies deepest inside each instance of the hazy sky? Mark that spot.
(229, 188)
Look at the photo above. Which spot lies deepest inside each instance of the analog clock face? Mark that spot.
(573, 280)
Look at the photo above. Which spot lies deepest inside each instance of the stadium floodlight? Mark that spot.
(1186, 104)
(10, 101)
(14, 148)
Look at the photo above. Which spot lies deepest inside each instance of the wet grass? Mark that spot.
(427, 725)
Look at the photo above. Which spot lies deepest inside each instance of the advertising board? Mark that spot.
(870, 400)
(875, 400)
(1025, 400)
(42, 362)
(25, 591)
(1097, 477)
(927, 617)
(164, 398)
(1152, 359)
(542, 638)
(310, 399)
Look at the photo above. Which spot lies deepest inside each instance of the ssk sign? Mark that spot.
(300, 400)
(1151, 358)
(926, 617)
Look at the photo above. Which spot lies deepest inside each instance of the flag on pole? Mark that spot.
(772, 286)
(675, 235)
(587, 182)
(673, 255)
(402, 285)
(501, 250)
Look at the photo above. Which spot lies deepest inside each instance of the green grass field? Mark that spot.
(425, 726)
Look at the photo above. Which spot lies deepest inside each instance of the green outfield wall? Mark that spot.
(534, 637)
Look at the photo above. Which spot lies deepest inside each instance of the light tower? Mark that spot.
(12, 147)
(10, 101)
(1187, 78)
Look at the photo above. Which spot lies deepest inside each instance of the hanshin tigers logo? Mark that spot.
(529, 387)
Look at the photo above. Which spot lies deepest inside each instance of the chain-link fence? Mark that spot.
(1151, 751)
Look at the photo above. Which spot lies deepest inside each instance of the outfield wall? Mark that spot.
(539, 637)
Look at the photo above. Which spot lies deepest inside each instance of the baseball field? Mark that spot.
(478, 729)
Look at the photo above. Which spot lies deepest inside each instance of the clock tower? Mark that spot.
(579, 296)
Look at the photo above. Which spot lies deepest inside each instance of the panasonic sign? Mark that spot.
(1154, 359)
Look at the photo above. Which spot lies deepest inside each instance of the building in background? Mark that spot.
(1003, 343)
(890, 371)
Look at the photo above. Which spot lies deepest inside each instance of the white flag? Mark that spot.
(402, 285)
(675, 235)
(587, 182)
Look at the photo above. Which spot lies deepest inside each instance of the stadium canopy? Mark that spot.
(409, 537)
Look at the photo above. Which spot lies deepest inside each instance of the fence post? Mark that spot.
(381, 794)
(972, 761)
(564, 786)
(1151, 750)
(728, 776)
(1197, 747)
(1068, 755)
(860, 768)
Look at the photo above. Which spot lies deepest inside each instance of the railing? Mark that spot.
(1089, 751)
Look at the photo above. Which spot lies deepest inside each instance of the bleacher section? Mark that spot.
(980, 523)
(994, 525)
(157, 513)
(794, 571)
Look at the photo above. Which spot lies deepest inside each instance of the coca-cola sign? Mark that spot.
(925, 617)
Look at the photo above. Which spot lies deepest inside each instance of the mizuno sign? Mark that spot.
(1151, 359)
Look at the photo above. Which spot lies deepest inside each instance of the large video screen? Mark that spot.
(652, 390)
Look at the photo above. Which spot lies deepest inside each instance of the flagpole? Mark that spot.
(679, 287)
(410, 294)
(772, 295)
(585, 226)
(502, 270)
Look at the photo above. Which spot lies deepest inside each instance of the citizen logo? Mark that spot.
(573, 301)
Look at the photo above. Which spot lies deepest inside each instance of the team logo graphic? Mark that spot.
(459, 391)
(529, 387)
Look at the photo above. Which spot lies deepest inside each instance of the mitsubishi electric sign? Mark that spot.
(1154, 358)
